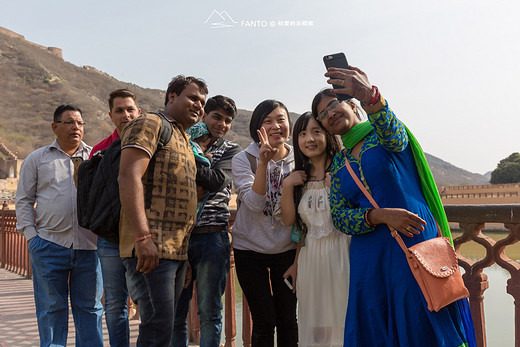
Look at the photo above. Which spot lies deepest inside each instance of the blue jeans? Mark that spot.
(208, 255)
(116, 293)
(156, 294)
(58, 271)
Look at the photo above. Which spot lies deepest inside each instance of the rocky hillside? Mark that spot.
(35, 80)
(446, 174)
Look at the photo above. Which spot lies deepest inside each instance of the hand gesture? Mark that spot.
(353, 81)
(147, 255)
(296, 178)
(266, 151)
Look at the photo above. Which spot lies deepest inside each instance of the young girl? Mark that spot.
(320, 273)
(261, 243)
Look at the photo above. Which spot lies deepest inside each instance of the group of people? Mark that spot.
(316, 262)
(150, 263)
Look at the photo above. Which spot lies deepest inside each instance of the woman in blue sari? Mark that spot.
(386, 306)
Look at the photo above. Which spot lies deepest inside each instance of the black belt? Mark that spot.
(209, 229)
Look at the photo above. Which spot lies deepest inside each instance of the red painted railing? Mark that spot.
(471, 219)
(14, 255)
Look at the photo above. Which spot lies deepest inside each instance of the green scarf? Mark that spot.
(356, 134)
(431, 194)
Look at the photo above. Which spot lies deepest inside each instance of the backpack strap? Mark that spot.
(164, 137)
(253, 164)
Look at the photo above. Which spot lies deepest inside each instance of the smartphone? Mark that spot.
(288, 282)
(337, 60)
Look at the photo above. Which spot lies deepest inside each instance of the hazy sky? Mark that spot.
(449, 69)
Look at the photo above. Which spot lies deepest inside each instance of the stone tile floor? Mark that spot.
(18, 326)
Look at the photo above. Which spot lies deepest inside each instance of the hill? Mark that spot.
(36, 79)
(446, 174)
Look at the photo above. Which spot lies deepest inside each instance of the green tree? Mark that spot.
(507, 171)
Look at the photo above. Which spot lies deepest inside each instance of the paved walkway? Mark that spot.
(18, 325)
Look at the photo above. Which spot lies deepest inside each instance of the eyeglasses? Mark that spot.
(323, 114)
(71, 122)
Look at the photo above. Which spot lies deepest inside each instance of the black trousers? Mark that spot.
(268, 309)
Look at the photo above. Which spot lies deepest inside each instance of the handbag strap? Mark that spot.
(395, 235)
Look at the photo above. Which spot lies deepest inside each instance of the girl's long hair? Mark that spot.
(302, 162)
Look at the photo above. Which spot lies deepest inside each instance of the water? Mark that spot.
(498, 304)
(498, 309)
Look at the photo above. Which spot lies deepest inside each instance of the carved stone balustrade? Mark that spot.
(472, 220)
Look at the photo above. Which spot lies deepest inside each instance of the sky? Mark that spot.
(448, 68)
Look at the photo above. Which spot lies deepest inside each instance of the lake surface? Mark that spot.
(498, 304)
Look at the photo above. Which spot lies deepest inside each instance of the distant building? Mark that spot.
(9, 170)
(9, 163)
(53, 50)
(481, 194)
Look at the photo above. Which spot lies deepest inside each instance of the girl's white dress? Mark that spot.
(323, 272)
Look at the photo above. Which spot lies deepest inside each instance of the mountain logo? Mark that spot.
(221, 19)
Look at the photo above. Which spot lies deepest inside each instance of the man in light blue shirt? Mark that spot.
(63, 254)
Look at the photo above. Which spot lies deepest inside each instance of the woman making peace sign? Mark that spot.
(262, 244)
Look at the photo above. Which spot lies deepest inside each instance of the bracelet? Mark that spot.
(141, 238)
(375, 98)
(366, 218)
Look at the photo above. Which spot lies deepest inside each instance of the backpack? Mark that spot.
(98, 203)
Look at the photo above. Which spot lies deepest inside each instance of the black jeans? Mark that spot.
(268, 310)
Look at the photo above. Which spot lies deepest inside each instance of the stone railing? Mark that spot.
(471, 219)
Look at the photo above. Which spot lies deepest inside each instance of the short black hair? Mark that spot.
(121, 93)
(261, 111)
(179, 82)
(66, 107)
(221, 102)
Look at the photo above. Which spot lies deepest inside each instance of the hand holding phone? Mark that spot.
(288, 283)
(337, 60)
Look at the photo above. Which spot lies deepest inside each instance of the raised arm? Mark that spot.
(389, 129)
(354, 82)
(243, 178)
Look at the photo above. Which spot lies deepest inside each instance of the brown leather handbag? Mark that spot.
(433, 263)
